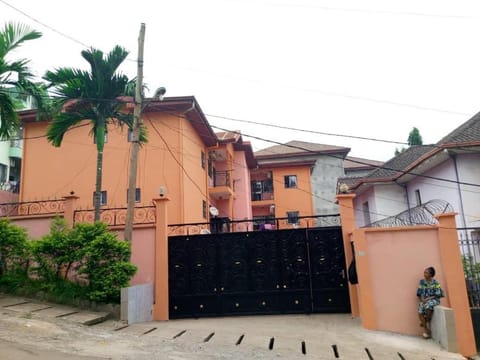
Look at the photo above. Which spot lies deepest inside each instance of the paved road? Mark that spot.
(32, 330)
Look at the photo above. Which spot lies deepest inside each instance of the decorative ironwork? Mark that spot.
(223, 225)
(43, 207)
(117, 216)
(261, 272)
(420, 215)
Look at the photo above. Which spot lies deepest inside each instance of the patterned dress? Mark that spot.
(429, 289)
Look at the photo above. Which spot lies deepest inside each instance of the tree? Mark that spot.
(96, 96)
(15, 77)
(414, 138)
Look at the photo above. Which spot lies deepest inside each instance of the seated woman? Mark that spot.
(429, 293)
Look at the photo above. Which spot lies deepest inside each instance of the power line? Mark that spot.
(354, 161)
(307, 131)
(44, 25)
(51, 28)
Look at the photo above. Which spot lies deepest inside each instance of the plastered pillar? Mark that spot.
(347, 216)
(69, 207)
(455, 278)
(160, 306)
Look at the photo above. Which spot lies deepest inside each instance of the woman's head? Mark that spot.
(429, 272)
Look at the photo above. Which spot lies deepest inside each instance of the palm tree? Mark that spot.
(15, 77)
(95, 96)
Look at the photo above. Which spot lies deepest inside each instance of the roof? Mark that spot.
(299, 148)
(186, 106)
(466, 135)
(355, 163)
(190, 109)
(397, 164)
(235, 137)
(468, 132)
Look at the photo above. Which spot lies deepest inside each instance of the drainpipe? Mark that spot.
(454, 158)
(405, 187)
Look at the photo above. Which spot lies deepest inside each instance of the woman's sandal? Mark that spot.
(426, 336)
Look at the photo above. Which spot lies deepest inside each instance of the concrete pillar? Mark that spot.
(161, 306)
(347, 217)
(69, 207)
(455, 278)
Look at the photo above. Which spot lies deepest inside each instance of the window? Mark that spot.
(203, 159)
(292, 217)
(103, 198)
(210, 168)
(137, 195)
(366, 213)
(290, 181)
(204, 209)
(3, 173)
(418, 198)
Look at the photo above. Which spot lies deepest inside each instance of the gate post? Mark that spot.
(160, 306)
(456, 287)
(347, 217)
(69, 209)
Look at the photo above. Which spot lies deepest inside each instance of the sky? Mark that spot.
(358, 74)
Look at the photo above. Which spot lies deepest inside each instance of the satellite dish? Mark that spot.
(213, 211)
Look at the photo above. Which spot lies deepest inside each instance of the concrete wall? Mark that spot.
(390, 262)
(326, 171)
(396, 259)
(36, 226)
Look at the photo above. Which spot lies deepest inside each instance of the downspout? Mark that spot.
(454, 158)
(405, 187)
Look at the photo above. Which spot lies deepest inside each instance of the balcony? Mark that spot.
(221, 186)
(262, 192)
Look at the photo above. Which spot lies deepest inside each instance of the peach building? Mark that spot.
(176, 157)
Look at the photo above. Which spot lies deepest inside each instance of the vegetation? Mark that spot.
(94, 95)
(16, 79)
(86, 262)
(414, 138)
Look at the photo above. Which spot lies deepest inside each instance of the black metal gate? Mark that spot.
(262, 272)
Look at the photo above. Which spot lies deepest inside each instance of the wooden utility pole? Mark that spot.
(137, 121)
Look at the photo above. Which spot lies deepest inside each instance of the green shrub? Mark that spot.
(14, 248)
(90, 250)
(108, 268)
(57, 252)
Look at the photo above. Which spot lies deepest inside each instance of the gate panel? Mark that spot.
(263, 272)
(328, 273)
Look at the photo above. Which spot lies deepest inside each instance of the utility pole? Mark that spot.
(137, 121)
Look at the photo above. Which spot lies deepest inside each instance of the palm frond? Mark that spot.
(9, 117)
(14, 35)
(61, 124)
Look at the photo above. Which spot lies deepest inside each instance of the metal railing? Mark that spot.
(223, 225)
(117, 216)
(41, 207)
(469, 242)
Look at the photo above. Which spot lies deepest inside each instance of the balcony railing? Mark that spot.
(222, 178)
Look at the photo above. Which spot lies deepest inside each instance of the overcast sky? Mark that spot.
(371, 69)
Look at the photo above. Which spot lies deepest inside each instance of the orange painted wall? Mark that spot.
(50, 172)
(299, 199)
(396, 261)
